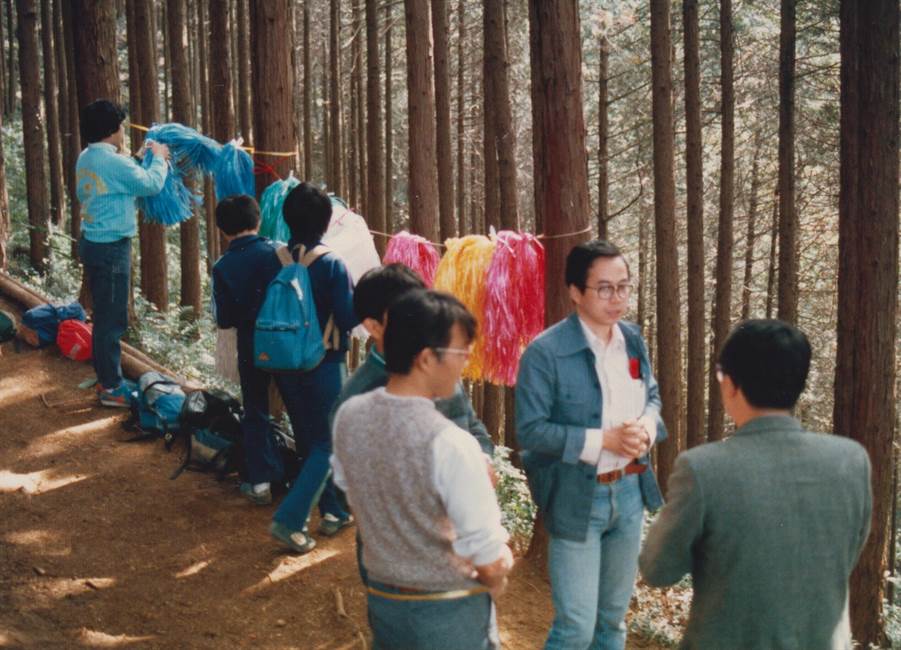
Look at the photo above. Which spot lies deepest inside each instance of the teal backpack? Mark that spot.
(287, 336)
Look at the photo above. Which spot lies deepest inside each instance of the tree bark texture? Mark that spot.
(751, 235)
(12, 76)
(694, 178)
(491, 173)
(336, 147)
(96, 64)
(423, 164)
(308, 95)
(245, 91)
(273, 84)
(375, 162)
(669, 347)
(4, 210)
(562, 205)
(723, 304)
(73, 137)
(51, 114)
(603, 133)
(33, 133)
(154, 266)
(182, 111)
(865, 373)
(441, 30)
(461, 122)
(389, 121)
(502, 113)
(788, 218)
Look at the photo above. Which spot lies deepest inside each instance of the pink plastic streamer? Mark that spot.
(514, 303)
(413, 251)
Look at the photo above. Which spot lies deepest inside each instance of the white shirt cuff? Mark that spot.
(594, 443)
(649, 422)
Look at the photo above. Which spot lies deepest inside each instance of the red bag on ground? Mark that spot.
(74, 340)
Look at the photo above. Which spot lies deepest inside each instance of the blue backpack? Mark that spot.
(157, 410)
(287, 336)
(44, 320)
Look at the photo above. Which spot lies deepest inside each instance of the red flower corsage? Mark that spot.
(635, 367)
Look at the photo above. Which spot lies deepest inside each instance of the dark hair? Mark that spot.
(422, 319)
(582, 256)
(307, 211)
(768, 360)
(100, 119)
(379, 287)
(237, 213)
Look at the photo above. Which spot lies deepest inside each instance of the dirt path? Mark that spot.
(98, 548)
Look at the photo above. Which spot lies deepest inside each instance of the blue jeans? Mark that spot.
(592, 581)
(459, 624)
(108, 269)
(309, 398)
(264, 464)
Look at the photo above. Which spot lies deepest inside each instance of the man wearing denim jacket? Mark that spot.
(108, 183)
(587, 413)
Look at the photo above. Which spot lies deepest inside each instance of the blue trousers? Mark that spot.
(264, 464)
(108, 269)
(309, 398)
(592, 581)
(459, 624)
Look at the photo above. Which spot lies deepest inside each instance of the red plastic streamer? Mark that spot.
(413, 251)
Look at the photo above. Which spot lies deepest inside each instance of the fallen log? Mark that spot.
(134, 362)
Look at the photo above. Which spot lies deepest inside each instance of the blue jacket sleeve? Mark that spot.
(224, 302)
(129, 177)
(342, 295)
(536, 428)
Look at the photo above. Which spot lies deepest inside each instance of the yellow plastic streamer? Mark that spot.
(462, 272)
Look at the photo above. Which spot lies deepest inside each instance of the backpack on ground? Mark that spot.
(287, 336)
(157, 411)
(74, 340)
(211, 430)
(7, 326)
(41, 323)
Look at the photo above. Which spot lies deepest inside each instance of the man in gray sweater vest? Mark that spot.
(427, 514)
(769, 522)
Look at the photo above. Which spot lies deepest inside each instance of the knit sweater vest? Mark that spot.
(384, 445)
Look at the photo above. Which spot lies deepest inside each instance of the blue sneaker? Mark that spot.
(297, 540)
(122, 396)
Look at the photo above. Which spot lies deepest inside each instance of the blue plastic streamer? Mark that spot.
(175, 202)
(233, 172)
(272, 225)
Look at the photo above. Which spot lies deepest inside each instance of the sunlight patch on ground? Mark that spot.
(43, 593)
(291, 565)
(59, 440)
(48, 542)
(95, 639)
(9, 639)
(35, 482)
(195, 568)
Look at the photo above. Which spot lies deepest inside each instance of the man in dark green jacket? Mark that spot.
(769, 522)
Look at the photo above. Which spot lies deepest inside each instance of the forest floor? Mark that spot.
(98, 548)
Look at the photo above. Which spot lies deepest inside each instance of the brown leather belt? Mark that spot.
(612, 477)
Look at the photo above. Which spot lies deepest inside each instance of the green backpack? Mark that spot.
(7, 326)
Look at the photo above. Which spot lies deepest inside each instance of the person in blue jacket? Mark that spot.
(587, 413)
(307, 211)
(107, 184)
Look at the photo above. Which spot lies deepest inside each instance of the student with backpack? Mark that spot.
(240, 279)
(108, 183)
(307, 211)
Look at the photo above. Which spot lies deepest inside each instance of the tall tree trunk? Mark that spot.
(694, 175)
(352, 141)
(182, 102)
(154, 265)
(33, 134)
(4, 80)
(51, 114)
(73, 137)
(669, 346)
(492, 414)
(771, 269)
(326, 135)
(308, 95)
(722, 312)
(11, 89)
(4, 209)
(440, 30)
(245, 91)
(273, 83)
(336, 148)
(222, 112)
(502, 112)
(375, 201)
(96, 63)
(788, 218)
(752, 228)
(360, 126)
(603, 133)
(161, 20)
(389, 119)
(422, 160)
(865, 370)
(461, 122)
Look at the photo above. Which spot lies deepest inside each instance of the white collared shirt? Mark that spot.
(622, 398)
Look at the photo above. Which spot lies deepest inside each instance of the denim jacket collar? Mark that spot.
(574, 340)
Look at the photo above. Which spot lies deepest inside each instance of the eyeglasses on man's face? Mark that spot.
(606, 290)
